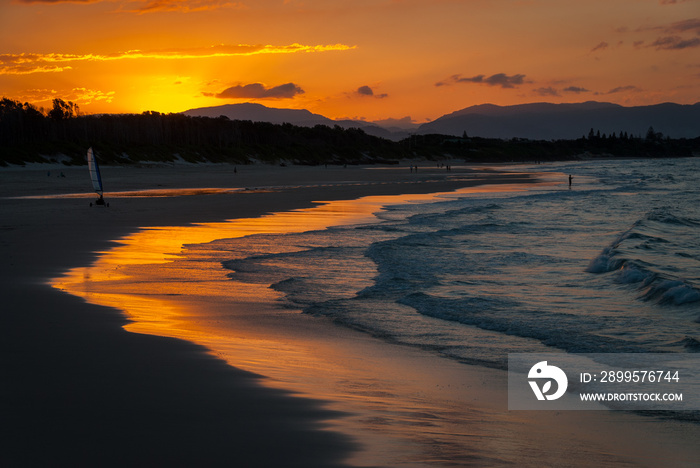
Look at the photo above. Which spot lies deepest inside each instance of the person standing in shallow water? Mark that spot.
(570, 179)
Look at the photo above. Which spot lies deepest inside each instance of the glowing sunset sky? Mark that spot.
(368, 59)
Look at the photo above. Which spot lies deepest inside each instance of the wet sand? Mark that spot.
(78, 389)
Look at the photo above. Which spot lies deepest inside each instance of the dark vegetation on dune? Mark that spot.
(31, 134)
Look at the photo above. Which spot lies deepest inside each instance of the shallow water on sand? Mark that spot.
(611, 264)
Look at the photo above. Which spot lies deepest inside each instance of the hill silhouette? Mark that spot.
(546, 121)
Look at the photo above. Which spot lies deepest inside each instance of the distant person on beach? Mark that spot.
(570, 179)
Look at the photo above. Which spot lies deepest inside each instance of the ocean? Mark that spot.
(609, 264)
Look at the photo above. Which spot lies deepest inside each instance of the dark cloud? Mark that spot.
(675, 43)
(686, 25)
(674, 39)
(576, 89)
(367, 91)
(259, 91)
(505, 81)
(549, 91)
(601, 46)
(499, 79)
(621, 89)
(460, 79)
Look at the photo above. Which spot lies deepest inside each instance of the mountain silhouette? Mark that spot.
(535, 121)
(300, 117)
(545, 121)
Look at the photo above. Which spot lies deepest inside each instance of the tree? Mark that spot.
(653, 136)
(63, 110)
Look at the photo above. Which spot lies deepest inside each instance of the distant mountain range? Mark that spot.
(537, 121)
(301, 117)
(543, 121)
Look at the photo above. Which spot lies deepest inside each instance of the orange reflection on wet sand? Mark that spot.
(124, 276)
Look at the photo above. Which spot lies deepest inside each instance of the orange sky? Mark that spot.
(362, 59)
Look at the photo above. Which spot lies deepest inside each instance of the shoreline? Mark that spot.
(73, 374)
(245, 325)
(473, 411)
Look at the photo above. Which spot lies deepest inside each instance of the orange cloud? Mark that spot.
(77, 95)
(59, 1)
(185, 6)
(25, 63)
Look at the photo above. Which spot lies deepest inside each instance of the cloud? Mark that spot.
(621, 89)
(78, 95)
(59, 1)
(499, 79)
(27, 70)
(404, 122)
(26, 63)
(549, 91)
(185, 6)
(601, 46)
(674, 39)
(460, 79)
(151, 6)
(259, 91)
(366, 91)
(675, 43)
(86, 96)
(686, 25)
(576, 89)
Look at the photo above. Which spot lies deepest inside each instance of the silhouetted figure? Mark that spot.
(570, 179)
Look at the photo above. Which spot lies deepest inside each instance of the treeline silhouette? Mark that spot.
(31, 134)
(595, 145)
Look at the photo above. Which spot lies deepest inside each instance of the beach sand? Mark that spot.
(289, 390)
